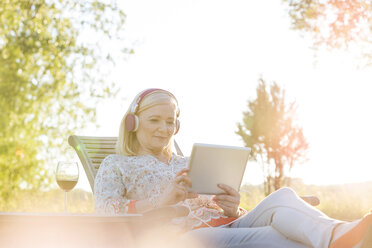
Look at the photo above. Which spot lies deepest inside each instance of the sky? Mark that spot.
(210, 55)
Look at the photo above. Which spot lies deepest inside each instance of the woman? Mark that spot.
(146, 174)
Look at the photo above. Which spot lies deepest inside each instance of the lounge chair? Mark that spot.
(92, 150)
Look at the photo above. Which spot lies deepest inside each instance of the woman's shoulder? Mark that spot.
(115, 160)
(112, 158)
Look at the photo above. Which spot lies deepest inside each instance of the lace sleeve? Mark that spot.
(109, 189)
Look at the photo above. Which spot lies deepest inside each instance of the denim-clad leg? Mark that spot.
(292, 217)
(281, 220)
(256, 237)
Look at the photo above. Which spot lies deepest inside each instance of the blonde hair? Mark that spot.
(127, 143)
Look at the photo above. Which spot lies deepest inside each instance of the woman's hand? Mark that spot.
(178, 191)
(228, 201)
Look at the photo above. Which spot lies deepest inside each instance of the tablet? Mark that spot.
(213, 164)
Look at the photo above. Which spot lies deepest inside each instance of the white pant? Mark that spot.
(281, 220)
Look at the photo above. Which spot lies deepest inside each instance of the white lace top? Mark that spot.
(121, 179)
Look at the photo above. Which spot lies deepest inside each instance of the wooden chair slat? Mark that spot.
(101, 139)
(98, 156)
(100, 146)
(96, 161)
(100, 151)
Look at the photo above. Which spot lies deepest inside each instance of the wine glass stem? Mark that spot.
(65, 201)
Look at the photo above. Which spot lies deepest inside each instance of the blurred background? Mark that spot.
(290, 79)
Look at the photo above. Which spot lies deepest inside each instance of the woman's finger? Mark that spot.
(227, 198)
(179, 194)
(226, 207)
(181, 189)
(185, 180)
(182, 172)
(229, 211)
(227, 203)
(192, 195)
(229, 190)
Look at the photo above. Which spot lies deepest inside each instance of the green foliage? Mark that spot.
(334, 23)
(51, 79)
(269, 129)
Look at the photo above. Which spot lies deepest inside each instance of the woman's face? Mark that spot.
(156, 127)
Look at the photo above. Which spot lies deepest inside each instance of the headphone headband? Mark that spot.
(147, 92)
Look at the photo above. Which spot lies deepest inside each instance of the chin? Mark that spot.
(161, 147)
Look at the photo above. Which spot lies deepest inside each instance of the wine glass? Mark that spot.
(67, 176)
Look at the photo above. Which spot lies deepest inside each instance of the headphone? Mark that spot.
(132, 121)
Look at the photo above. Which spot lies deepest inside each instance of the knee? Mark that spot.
(282, 196)
(286, 191)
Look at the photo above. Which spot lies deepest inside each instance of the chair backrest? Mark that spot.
(92, 150)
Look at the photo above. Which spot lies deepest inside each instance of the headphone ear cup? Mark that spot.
(136, 123)
(177, 126)
(131, 122)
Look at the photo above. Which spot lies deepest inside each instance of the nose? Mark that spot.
(165, 127)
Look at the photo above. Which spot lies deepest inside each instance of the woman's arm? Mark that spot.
(110, 191)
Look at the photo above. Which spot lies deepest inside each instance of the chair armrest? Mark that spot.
(312, 200)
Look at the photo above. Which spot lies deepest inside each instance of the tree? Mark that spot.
(51, 79)
(269, 129)
(345, 24)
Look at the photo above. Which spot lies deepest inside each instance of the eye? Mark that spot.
(153, 120)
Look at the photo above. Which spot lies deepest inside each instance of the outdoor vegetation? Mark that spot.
(334, 24)
(51, 79)
(270, 130)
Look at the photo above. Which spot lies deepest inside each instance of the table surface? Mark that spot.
(18, 216)
(19, 230)
(60, 230)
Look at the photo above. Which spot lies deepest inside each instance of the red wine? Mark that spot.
(67, 185)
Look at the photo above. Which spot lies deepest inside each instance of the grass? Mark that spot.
(345, 202)
(52, 201)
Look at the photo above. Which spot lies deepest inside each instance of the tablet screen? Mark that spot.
(213, 164)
